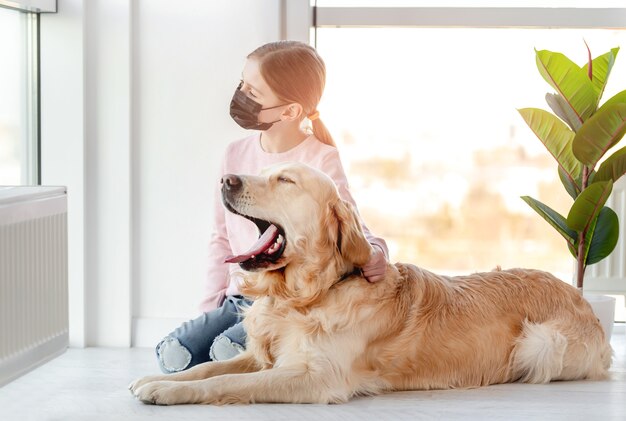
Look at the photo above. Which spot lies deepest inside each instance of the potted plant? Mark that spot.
(578, 135)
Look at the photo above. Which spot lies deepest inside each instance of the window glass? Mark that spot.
(436, 153)
(17, 99)
(472, 3)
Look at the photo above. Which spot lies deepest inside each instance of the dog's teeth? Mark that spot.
(279, 240)
(273, 248)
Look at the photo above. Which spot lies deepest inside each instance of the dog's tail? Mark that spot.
(538, 354)
(545, 352)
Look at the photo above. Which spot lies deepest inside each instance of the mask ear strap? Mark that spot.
(271, 122)
(271, 108)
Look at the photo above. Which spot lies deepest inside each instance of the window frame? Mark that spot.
(34, 6)
(31, 118)
(30, 165)
(469, 17)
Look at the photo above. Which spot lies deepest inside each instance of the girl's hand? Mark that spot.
(375, 269)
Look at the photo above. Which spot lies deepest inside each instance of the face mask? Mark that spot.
(245, 111)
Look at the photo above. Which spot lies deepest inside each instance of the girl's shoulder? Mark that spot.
(242, 151)
(319, 152)
(247, 144)
(244, 156)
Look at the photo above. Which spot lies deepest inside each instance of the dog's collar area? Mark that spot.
(354, 272)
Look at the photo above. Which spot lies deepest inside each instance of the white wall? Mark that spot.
(63, 145)
(187, 65)
(135, 97)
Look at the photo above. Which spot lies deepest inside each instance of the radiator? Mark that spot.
(609, 275)
(33, 278)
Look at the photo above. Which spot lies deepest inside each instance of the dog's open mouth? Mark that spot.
(267, 249)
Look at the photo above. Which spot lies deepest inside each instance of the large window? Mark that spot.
(18, 98)
(468, 3)
(436, 153)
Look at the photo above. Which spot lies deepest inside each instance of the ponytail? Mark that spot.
(321, 132)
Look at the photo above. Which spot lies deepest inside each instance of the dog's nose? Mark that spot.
(231, 182)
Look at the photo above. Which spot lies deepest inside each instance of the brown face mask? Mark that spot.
(245, 111)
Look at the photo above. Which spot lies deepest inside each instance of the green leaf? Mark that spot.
(556, 137)
(572, 187)
(618, 98)
(553, 218)
(573, 250)
(570, 81)
(613, 168)
(562, 109)
(591, 177)
(604, 237)
(601, 69)
(588, 204)
(600, 133)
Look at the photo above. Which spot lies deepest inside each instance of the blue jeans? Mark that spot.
(214, 336)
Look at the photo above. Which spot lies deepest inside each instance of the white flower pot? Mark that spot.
(604, 308)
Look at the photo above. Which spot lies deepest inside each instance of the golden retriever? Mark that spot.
(319, 332)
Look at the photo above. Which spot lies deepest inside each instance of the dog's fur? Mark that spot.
(319, 332)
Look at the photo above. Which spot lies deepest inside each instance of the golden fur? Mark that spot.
(314, 337)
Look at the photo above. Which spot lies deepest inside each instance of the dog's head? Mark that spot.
(309, 236)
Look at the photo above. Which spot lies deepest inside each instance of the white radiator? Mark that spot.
(609, 275)
(33, 278)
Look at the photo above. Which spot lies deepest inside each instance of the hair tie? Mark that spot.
(314, 115)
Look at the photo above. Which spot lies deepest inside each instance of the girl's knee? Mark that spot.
(172, 355)
(223, 348)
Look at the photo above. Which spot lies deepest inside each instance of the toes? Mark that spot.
(146, 393)
(134, 386)
(158, 393)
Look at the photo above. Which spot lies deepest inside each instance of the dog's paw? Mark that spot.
(164, 393)
(134, 386)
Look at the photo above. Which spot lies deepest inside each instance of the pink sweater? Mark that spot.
(233, 234)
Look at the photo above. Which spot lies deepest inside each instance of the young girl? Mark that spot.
(282, 83)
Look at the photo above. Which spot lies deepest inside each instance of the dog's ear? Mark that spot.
(351, 242)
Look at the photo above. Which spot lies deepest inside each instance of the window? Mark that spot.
(427, 125)
(466, 3)
(19, 132)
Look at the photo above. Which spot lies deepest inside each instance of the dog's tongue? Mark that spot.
(262, 244)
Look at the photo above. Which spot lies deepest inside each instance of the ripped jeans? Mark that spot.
(214, 336)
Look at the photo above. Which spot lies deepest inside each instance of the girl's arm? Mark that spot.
(219, 248)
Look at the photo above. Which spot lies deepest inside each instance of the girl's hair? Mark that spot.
(295, 73)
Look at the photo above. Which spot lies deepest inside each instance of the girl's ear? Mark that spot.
(292, 112)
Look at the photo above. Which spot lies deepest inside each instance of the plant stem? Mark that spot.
(580, 262)
(585, 178)
(580, 256)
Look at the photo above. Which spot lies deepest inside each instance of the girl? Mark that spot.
(282, 83)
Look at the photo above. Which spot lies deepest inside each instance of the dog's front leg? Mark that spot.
(279, 384)
(242, 363)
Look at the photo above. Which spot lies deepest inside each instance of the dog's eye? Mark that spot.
(286, 180)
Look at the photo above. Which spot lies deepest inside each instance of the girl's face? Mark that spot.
(255, 87)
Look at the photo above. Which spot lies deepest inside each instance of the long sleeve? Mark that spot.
(332, 166)
(219, 248)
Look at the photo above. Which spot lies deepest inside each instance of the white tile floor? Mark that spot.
(90, 384)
